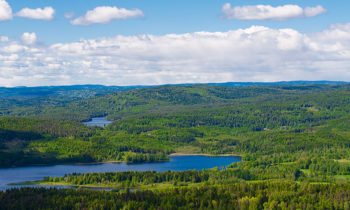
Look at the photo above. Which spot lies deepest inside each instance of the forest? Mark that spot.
(261, 195)
(260, 123)
(294, 141)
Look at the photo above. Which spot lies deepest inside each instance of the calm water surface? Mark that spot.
(98, 121)
(177, 163)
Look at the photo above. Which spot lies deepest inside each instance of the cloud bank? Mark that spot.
(40, 14)
(254, 54)
(105, 14)
(267, 12)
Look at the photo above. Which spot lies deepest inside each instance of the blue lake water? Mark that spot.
(98, 121)
(176, 163)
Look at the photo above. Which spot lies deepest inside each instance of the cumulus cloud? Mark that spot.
(267, 12)
(105, 15)
(314, 11)
(5, 11)
(40, 14)
(253, 54)
(29, 38)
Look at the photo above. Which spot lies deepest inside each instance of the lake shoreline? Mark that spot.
(39, 184)
(64, 163)
(59, 184)
(82, 163)
(176, 154)
(27, 176)
(205, 155)
(97, 121)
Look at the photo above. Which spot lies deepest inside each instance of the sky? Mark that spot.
(138, 42)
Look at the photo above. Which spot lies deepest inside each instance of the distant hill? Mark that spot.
(88, 91)
(166, 98)
(243, 84)
(74, 91)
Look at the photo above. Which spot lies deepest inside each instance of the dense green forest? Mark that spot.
(263, 124)
(21, 100)
(260, 195)
(294, 141)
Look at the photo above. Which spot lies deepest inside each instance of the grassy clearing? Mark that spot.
(344, 161)
(188, 150)
(342, 177)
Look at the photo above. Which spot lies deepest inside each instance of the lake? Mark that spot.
(98, 121)
(176, 163)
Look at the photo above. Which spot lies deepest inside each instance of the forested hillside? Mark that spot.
(21, 100)
(294, 141)
(261, 123)
(121, 103)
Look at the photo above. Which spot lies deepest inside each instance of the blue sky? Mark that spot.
(161, 17)
(129, 42)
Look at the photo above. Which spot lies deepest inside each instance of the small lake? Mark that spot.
(176, 163)
(98, 121)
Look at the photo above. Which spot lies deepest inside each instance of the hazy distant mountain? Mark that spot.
(242, 84)
(74, 91)
(87, 91)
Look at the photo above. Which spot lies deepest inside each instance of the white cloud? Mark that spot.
(41, 14)
(5, 11)
(254, 54)
(4, 39)
(267, 12)
(105, 15)
(29, 38)
(69, 15)
(314, 11)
